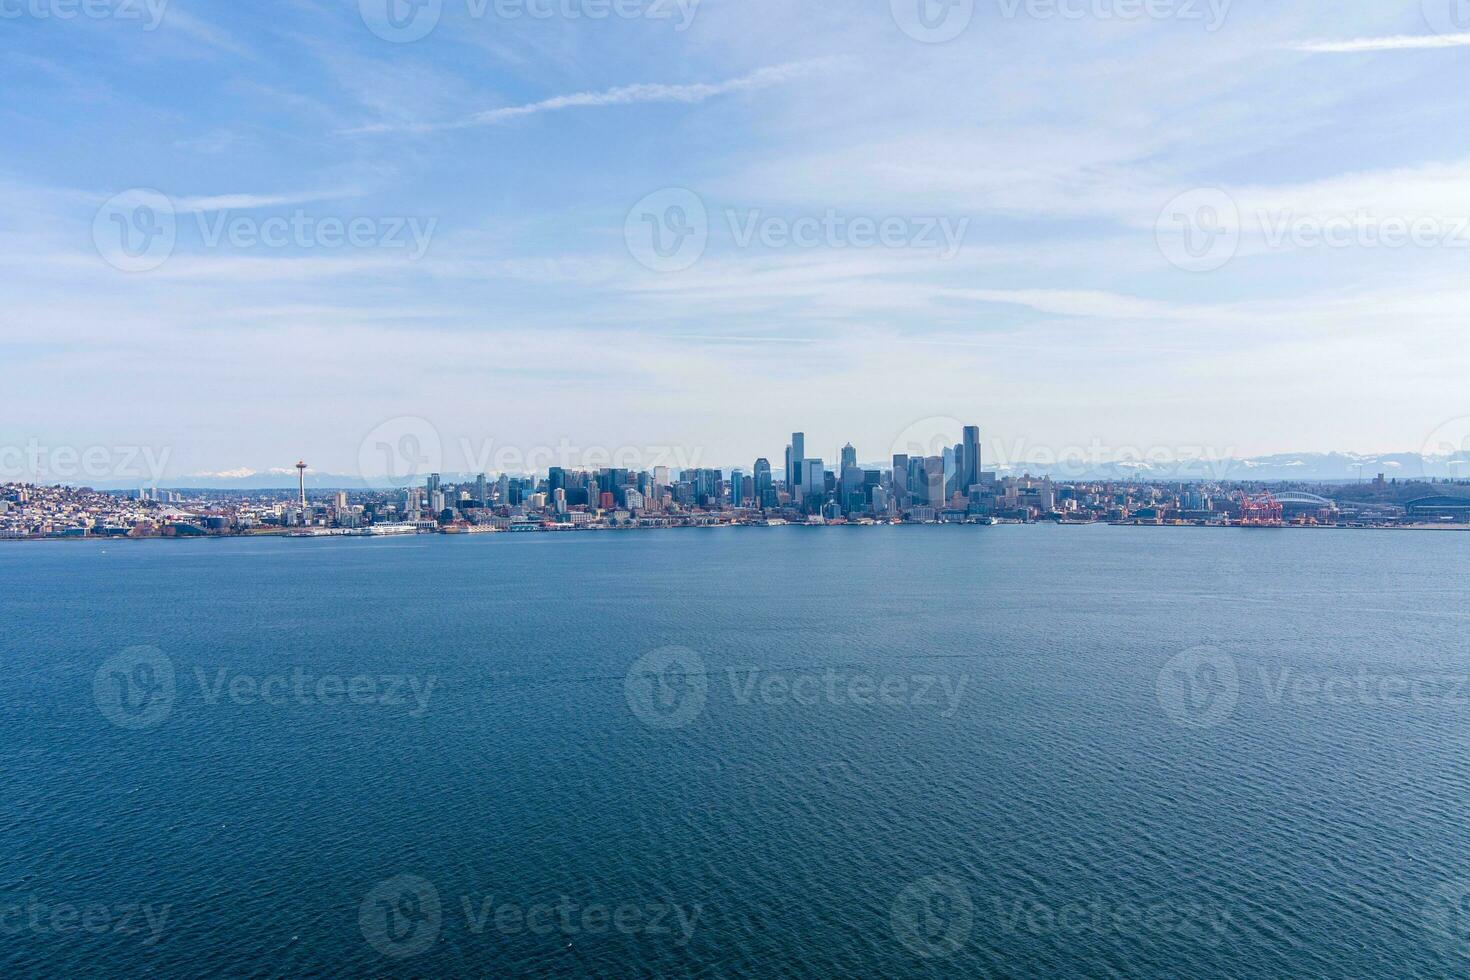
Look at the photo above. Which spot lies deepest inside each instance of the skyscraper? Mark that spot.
(848, 459)
(813, 483)
(737, 488)
(933, 476)
(765, 490)
(970, 461)
(795, 453)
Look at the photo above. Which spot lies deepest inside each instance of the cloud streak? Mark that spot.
(1400, 42)
(638, 94)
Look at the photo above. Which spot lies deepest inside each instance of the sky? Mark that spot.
(476, 232)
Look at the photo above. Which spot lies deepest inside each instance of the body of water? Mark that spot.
(891, 751)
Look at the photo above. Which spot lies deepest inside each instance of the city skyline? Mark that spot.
(402, 451)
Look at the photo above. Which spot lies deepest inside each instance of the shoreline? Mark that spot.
(288, 535)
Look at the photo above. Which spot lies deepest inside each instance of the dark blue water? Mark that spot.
(1021, 751)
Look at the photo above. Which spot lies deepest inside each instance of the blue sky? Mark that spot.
(1034, 176)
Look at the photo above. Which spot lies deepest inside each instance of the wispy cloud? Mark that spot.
(237, 202)
(641, 93)
(1400, 42)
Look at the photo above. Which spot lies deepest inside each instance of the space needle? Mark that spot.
(301, 481)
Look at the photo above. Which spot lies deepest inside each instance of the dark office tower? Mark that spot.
(556, 479)
(706, 486)
(900, 478)
(432, 484)
(482, 490)
(765, 489)
(849, 458)
(970, 471)
(916, 485)
(852, 489)
(795, 453)
(737, 488)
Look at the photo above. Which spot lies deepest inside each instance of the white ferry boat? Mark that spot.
(378, 530)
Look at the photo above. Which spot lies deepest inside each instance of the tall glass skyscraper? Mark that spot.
(969, 463)
(765, 489)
